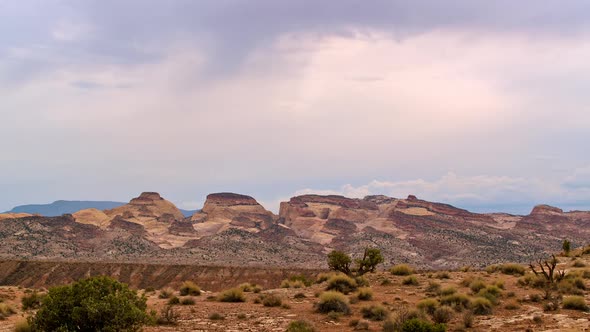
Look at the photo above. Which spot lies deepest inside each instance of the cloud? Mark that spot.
(480, 193)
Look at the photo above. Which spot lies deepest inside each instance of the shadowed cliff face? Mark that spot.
(235, 229)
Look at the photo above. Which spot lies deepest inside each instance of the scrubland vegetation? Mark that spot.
(504, 297)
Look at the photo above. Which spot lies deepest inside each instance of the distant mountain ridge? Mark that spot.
(61, 207)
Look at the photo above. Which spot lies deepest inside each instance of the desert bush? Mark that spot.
(334, 316)
(477, 285)
(292, 284)
(442, 275)
(361, 281)
(189, 288)
(401, 270)
(22, 326)
(512, 269)
(165, 293)
(499, 284)
(371, 258)
(325, 276)
(433, 287)
(216, 316)
(31, 301)
(578, 263)
(300, 326)
(512, 306)
(586, 274)
(299, 296)
(303, 278)
(83, 306)
(6, 311)
(232, 295)
(428, 305)
(386, 282)
(168, 316)
(575, 303)
(399, 317)
(174, 300)
(448, 291)
(272, 300)
(375, 312)
(361, 325)
(419, 325)
(467, 319)
(410, 280)
(443, 314)
(342, 284)
(491, 293)
(187, 301)
(481, 306)
(365, 294)
(532, 280)
(333, 301)
(457, 300)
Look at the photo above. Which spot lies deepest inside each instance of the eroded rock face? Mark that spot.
(92, 217)
(149, 205)
(14, 215)
(222, 211)
(546, 209)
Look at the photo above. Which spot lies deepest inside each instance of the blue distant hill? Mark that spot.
(58, 208)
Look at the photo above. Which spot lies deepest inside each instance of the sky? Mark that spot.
(480, 104)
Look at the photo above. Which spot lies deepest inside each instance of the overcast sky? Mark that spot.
(481, 104)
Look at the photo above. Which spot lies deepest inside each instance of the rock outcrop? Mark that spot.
(222, 211)
(12, 215)
(148, 205)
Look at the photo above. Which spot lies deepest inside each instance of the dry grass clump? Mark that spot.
(232, 295)
(216, 316)
(6, 311)
(575, 303)
(300, 326)
(165, 293)
(342, 283)
(187, 301)
(477, 285)
(22, 326)
(189, 288)
(410, 281)
(509, 268)
(448, 291)
(402, 270)
(272, 300)
(457, 300)
(365, 294)
(375, 312)
(249, 287)
(443, 314)
(333, 301)
(481, 306)
(428, 305)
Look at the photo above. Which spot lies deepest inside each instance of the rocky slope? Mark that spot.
(234, 229)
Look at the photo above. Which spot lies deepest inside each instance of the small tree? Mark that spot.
(567, 247)
(371, 258)
(93, 304)
(339, 261)
(552, 276)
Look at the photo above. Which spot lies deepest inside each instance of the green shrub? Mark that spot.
(386, 282)
(272, 300)
(419, 325)
(342, 284)
(410, 280)
(491, 293)
(84, 305)
(458, 300)
(365, 294)
(481, 306)
(232, 295)
(375, 312)
(428, 305)
(325, 276)
(190, 288)
(443, 314)
(300, 326)
(399, 317)
(187, 301)
(292, 284)
(301, 277)
(575, 303)
(401, 270)
(333, 301)
(31, 301)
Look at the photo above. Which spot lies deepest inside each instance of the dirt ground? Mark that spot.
(515, 311)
